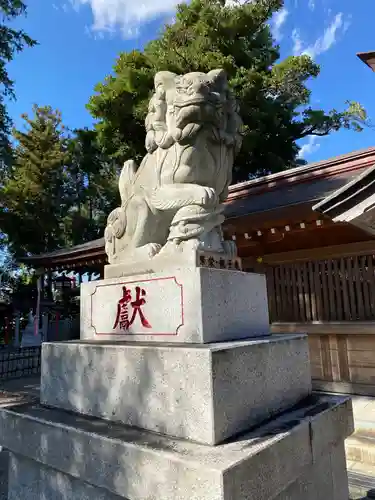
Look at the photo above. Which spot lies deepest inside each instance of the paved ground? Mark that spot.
(361, 477)
(12, 391)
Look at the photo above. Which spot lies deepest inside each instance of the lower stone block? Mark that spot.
(29, 480)
(104, 460)
(325, 479)
(205, 393)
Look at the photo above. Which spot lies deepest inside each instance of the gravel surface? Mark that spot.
(356, 493)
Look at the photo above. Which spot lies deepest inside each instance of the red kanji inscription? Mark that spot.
(137, 307)
(122, 317)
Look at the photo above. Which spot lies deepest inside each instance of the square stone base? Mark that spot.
(29, 480)
(193, 305)
(205, 393)
(29, 339)
(57, 455)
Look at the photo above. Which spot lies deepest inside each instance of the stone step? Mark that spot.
(360, 447)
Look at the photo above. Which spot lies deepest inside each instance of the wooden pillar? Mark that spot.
(37, 312)
(44, 327)
(342, 349)
(326, 358)
(49, 285)
(6, 329)
(16, 341)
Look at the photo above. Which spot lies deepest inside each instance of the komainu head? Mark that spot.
(194, 98)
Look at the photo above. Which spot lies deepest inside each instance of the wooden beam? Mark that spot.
(277, 233)
(270, 218)
(344, 387)
(75, 261)
(331, 252)
(326, 328)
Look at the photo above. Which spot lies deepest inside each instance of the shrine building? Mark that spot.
(311, 230)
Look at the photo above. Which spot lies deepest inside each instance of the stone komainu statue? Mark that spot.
(173, 201)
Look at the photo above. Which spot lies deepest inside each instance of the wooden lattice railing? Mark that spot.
(340, 289)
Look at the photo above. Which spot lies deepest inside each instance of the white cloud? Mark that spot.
(311, 4)
(95, 35)
(310, 147)
(347, 23)
(278, 22)
(124, 15)
(171, 20)
(88, 31)
(230, 3)
(329, 37)
(63, 6)
(297, 42)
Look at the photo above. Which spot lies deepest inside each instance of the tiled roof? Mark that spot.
(306, 169)
(78, 249)
(288, 195)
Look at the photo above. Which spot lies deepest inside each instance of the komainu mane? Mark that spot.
(173, 201)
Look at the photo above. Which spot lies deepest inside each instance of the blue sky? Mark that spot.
(80, 39)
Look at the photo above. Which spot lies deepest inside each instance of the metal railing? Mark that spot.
(19, 362)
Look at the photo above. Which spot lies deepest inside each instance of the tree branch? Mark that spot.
(262, 22)
(183, 58)
(312, 132)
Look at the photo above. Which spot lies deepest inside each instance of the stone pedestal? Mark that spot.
(58, 455)
(192, 304)
(30, 338)
(177, 417)
(204, 393)
(32, 335)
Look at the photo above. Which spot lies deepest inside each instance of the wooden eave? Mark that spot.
(357, 192)
(262, 210)
(81, 255)
(367, 58)
(337, 165)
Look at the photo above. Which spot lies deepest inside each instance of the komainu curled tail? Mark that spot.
(116, 222)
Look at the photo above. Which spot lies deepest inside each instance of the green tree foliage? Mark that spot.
(13, 277)
(11, 42)
(94, 184)
(35, 197)
(59, 190)
(273, 94)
